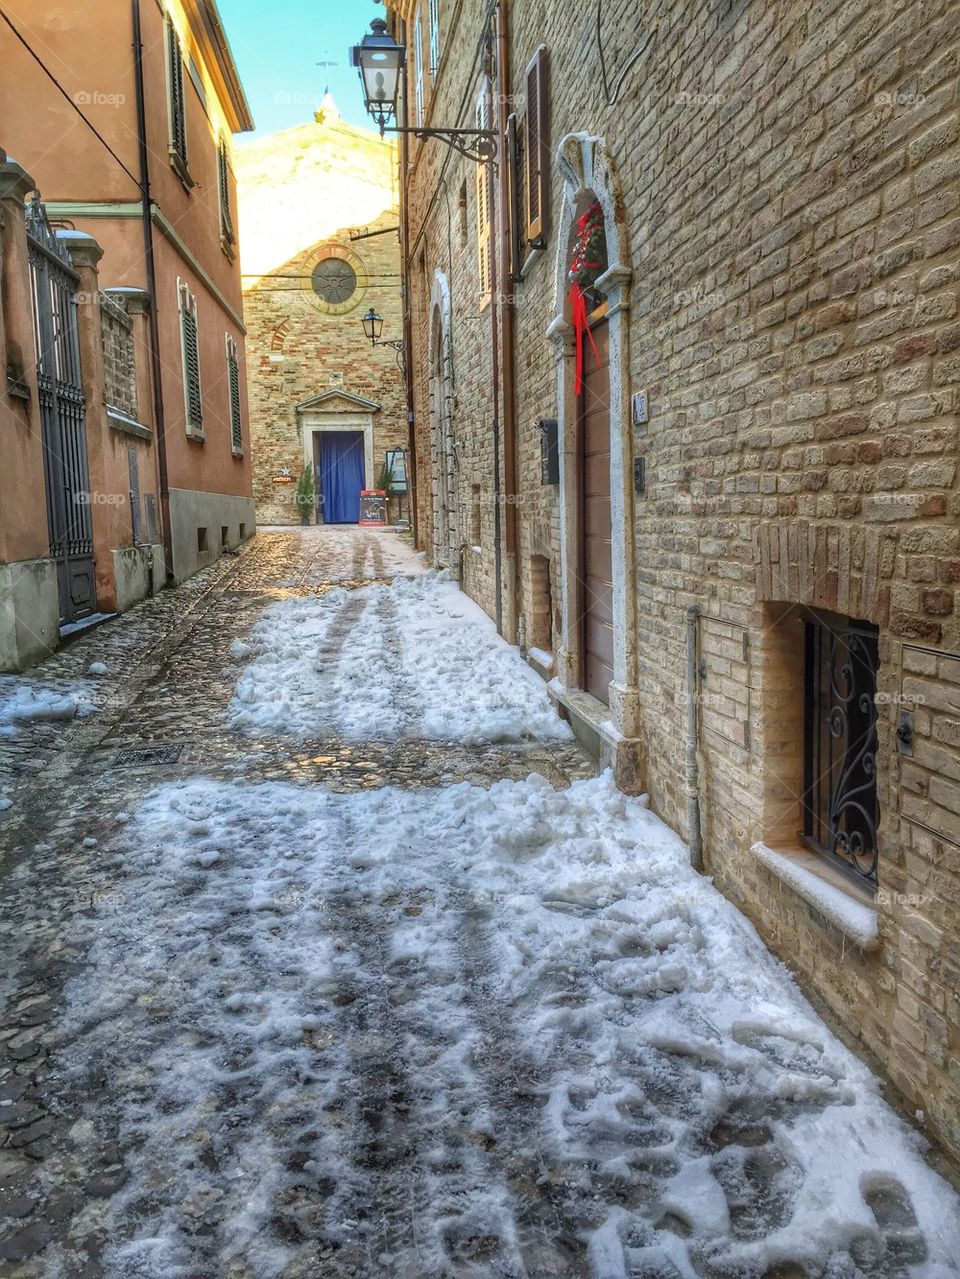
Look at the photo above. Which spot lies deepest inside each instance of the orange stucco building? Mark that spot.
(158, 287)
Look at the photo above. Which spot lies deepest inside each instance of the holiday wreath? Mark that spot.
(587, 264)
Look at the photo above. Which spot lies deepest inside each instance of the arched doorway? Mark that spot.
(597, 653)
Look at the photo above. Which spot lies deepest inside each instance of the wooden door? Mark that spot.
(596, 574)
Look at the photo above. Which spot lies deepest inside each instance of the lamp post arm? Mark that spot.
(483, 150)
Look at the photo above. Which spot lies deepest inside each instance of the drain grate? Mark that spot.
(146, 756)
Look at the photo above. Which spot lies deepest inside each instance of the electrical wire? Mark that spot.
(49, 74)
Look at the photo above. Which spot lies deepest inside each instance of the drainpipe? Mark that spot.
(407, 325)
(156, 369)
(691, 746)
(492, 254)
(508, 318)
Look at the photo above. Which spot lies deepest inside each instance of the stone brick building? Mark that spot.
(319, 219)
(740, 570)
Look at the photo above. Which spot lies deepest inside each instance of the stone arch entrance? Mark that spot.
(447, 532)
(588, 174)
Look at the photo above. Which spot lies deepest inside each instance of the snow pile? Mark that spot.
(24, 701)
(413, 659)
(496, 1033)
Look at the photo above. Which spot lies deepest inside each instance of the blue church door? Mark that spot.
(341, 475)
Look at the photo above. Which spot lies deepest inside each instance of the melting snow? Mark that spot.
(25, 701)
(415, 659)
(492, 1032)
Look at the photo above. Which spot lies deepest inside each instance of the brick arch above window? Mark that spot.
(842, 567)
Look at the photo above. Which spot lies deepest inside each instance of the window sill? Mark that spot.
(533, 254)
(128, 425)
(229, 247)
(851, 910)
(240, 453)
(179, 166)
(194, 433)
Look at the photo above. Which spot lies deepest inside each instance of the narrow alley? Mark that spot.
(326, 952)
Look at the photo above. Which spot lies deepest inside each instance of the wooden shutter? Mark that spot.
(178, 116)
(223, 181)
(233, 388)
(484, 201)
(537, 159)
(191, 359)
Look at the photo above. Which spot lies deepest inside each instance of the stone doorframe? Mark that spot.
(339, 410)
(586, 170)
(447, 534)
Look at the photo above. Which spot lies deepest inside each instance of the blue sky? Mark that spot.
(277, 45)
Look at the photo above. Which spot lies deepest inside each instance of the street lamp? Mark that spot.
(373, 327)
(380, 60)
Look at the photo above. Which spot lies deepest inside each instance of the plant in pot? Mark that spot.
(385, 482)
(306, 496)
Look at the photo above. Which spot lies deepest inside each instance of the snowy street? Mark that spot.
(324, 953)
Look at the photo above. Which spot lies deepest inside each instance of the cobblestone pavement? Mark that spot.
(159, 717)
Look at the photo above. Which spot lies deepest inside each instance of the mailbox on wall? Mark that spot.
(549, 451)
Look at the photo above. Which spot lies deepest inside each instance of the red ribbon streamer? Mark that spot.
(581, 324)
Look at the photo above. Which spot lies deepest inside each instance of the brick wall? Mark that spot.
(788, 197)
(119, 357)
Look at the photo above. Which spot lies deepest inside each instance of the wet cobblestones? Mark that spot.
(72, 787)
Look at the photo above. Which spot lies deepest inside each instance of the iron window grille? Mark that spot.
(193, 400)
(840, 807)
(233, 389)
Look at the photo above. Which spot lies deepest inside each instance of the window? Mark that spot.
(840, 810)
(233, 390)
(537, 159)
(484, 203)
(418, 99)
(201, 541)
(193, 403)
(434, 24)
(224, 534)
(177, 109)
(133, 472)
(227, 237)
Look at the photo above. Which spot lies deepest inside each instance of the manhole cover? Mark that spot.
(140, 756)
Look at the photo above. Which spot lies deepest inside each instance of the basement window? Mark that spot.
(224, 534)
(840, 807)
(201, 540)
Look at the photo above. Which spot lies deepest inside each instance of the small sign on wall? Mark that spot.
(640, 408)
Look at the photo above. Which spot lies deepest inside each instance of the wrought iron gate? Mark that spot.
(62, 412)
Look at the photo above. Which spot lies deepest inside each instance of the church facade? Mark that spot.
(318, 208)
